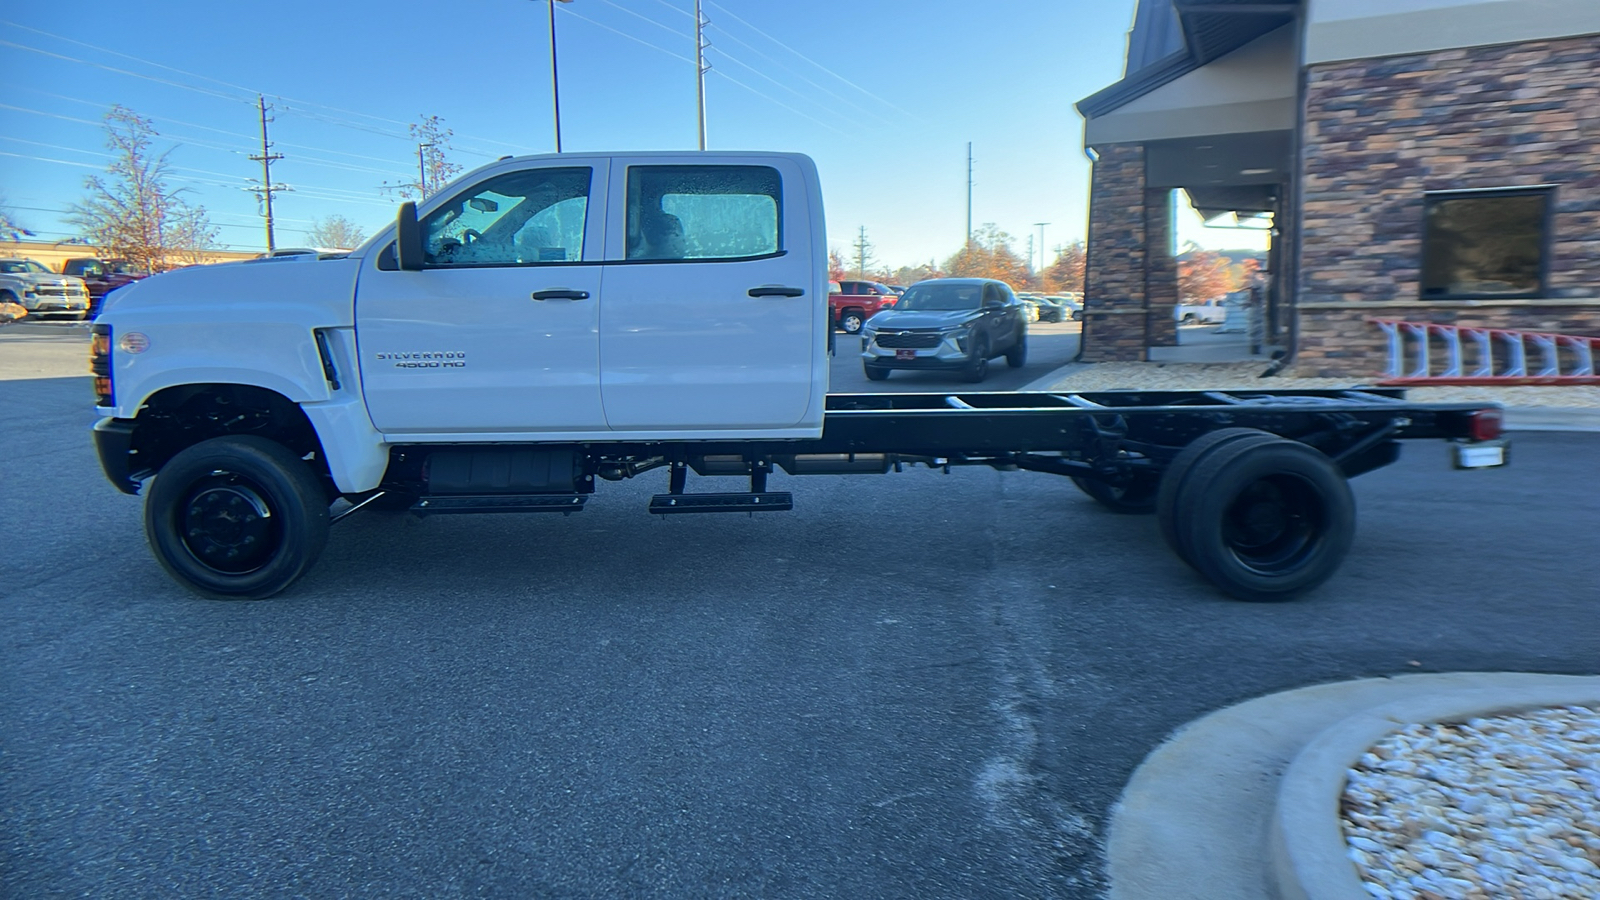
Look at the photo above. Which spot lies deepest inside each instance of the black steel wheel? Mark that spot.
(1136, 497)
(876, 373)
(977, 368)
(236, 518)
(851, 321)
(1175, 479)
(1266, 521)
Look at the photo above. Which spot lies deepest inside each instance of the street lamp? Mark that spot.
(555, 84)
(1041, 226)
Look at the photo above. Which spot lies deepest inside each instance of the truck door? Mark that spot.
(715, 306)
(499, 333)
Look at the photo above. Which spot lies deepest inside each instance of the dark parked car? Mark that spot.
(947, 323)
(101, 276)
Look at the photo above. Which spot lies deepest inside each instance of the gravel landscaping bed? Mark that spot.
(1246, 376)
(1498, 807)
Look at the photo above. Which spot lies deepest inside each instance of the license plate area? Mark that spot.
(1481, 455)
(905, 354)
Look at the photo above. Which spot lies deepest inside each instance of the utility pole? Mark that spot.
(267, 188)
(555, 83)
(1040, 226)
(969, 193)
(422, 171)
(700, 69)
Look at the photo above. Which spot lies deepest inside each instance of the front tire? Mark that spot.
(236, 518)
(978, 365)
(875, 373)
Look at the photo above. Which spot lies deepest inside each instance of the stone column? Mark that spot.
(1114, 280)
(1160, 270)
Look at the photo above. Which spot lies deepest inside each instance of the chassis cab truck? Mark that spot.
(544, 322)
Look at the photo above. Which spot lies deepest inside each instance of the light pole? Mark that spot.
(555, 83)
(1040, 226)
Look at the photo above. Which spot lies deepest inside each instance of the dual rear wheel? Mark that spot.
(1261, 517)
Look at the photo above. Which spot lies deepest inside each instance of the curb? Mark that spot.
(1199, 818)
(1308, 846)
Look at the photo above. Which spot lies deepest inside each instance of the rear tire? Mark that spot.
(875, 373)
(236, 518)
(1017, 356)
(851, 321)
(1175, 478)
(1135, 498)
(1267, 521)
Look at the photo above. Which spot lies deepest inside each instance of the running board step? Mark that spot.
(766, 501)
(498, 503)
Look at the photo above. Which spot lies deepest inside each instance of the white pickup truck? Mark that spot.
(546, 321)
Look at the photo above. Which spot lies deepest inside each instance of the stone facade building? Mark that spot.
(1427, 160)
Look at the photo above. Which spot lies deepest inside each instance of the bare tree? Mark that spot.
(11, 228)
(133, 215)
(434, 169)
(335, 232)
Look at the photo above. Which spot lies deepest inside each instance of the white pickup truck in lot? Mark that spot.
(544, 322)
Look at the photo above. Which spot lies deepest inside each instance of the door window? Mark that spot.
(704, 212)
(529, 217)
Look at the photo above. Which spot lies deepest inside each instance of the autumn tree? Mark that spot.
(835, 265)
(1066, 274)
(989, 255)
(913, 274)
(335, 231)
(132, 214)
(434, 168)
(1203, 275)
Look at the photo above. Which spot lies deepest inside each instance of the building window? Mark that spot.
(1486, 243)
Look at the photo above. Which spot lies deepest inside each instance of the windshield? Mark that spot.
(941, 297)
(22, 266)
(121, 267)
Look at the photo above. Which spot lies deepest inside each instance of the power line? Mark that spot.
(810, 60)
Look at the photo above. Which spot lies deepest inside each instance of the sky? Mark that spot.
(884, 94)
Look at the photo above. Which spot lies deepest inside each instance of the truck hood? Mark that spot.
(916, 318)
(322, 294)
(31, 280)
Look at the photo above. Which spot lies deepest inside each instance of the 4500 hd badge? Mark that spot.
(457, 360)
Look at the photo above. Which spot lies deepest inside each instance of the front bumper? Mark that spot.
(947, 355)
(113, 443)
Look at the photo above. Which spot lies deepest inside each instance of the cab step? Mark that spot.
(497, 503)
(765, 501)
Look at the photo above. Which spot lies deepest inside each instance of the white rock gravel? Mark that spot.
(1500, 807)
(1246, 376)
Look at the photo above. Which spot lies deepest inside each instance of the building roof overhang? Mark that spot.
(1211, 29)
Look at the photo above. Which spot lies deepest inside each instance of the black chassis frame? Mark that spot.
(1111, 436)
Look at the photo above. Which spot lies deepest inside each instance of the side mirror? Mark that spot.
(408, 238)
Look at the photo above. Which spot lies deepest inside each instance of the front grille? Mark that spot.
(898, 340)
(56, 290)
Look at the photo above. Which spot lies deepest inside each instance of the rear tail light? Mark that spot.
(100, 364)
(1485, 425)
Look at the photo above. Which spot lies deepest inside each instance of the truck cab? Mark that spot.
(664, 296)
(857, 301)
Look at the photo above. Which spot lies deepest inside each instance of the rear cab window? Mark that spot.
(704, 213)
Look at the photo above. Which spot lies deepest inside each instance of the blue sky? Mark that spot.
(883, 94)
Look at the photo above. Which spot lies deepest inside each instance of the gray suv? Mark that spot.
(947, 323)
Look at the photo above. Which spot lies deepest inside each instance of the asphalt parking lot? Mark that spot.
(914, 685)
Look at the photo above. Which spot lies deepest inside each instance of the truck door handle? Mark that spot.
(776, 290)
(561, 294)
